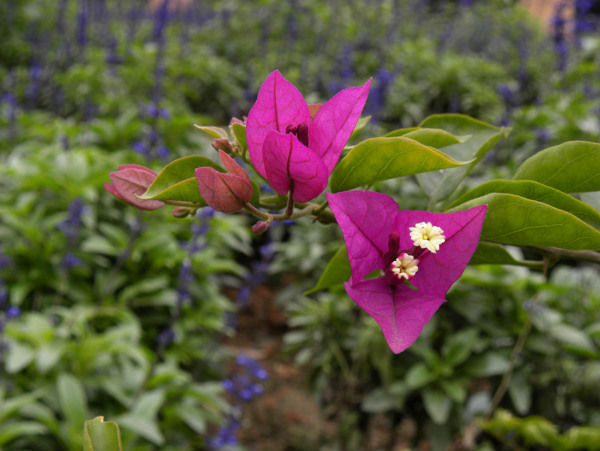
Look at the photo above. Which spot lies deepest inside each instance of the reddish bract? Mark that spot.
(372, 225)
(226, 193)
(132, 180)
(293, 151)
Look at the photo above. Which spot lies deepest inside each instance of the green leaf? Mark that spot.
(179, 172)
(214, 132)
(144, 427)
(512, 219)
(539, 431)
(519, 390)
(72, 399)
(535, 191)
(428, 136)
(489, 364)
(362, 122)
(582, 437)
(19, 356)
(459, 346)
(101, 436)
(239, 134)
(439, 185)
(571, 167)
(574, 340)
(387, 158)
(9, 406)
(419, 375)
(12, 430)
(454, 389)
(495, 254)
(437, 404)
(337, 271)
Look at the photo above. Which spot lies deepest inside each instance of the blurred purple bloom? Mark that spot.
(13, 312)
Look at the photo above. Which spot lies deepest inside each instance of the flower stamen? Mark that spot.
(405, 266)
(427, 236)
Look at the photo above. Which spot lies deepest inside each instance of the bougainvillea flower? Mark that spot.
(420, 255)
(226, 193)
(293, 151)
(132, 180)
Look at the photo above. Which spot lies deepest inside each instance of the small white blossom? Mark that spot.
(405, 266)
(427, 236)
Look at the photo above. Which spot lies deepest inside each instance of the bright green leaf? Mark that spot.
(571, 167)
(239, 134)
(380, 159)
(214, 132)
(101, 436)
(430, 137)
(483, 137)
(177, 172)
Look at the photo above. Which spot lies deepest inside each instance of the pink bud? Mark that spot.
(132, 180)
(260, 227)
(181, 212)
(222, 144)
(235, 120)
(226, 193)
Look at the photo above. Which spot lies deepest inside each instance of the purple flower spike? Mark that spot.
(293, 151)
(431, 250)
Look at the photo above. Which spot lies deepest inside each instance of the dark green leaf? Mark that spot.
(515, 220)
(419, 375)
(458, 347)
(437, 404)
(495, 254)
(380, 159)
(519, 390)
(571, 167)
(574, 340)
(535, 191)
(489, 364)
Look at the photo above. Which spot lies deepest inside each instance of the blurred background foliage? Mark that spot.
(105, 310)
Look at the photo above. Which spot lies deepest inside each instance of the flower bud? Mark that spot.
(260, 227)
(181, 212)
(222, 144)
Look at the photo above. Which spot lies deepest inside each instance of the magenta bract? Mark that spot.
(132, 180)
(293, 151)
(377, 233)
(226, 193)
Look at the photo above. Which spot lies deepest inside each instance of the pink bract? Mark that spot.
(226, 193)
(372, 224)
(293, 151)
(132, 180)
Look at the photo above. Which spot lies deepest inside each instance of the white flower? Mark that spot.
(405, 266)
(427, 236)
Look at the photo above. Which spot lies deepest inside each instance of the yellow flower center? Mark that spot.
(427, 236)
